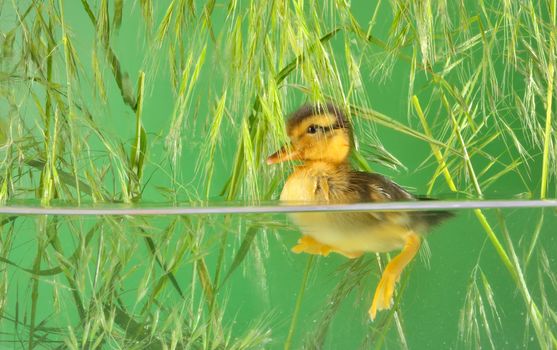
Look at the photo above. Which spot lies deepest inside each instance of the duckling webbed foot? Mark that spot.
(308, 244)
(385, 289)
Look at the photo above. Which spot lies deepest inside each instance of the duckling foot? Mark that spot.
(307, 244)
(384, 293)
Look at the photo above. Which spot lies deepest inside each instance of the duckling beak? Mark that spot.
(284, 154)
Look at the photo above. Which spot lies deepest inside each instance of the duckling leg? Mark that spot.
(385, 288)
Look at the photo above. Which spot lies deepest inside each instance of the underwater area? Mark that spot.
(138, 209)
(149, 282)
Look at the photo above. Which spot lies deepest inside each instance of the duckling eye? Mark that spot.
(312, 129)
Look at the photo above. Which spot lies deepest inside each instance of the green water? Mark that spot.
(457, 294)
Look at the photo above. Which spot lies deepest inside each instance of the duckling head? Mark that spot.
(318, 133)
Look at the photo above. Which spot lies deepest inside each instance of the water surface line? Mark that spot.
(222, 208)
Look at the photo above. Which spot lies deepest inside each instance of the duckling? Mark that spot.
(321, 138)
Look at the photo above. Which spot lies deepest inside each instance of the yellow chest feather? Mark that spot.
(300, 188)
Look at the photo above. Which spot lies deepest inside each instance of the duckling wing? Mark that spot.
(377, 188)
(371, 187)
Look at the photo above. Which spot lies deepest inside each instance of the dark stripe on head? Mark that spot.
(308, 110)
